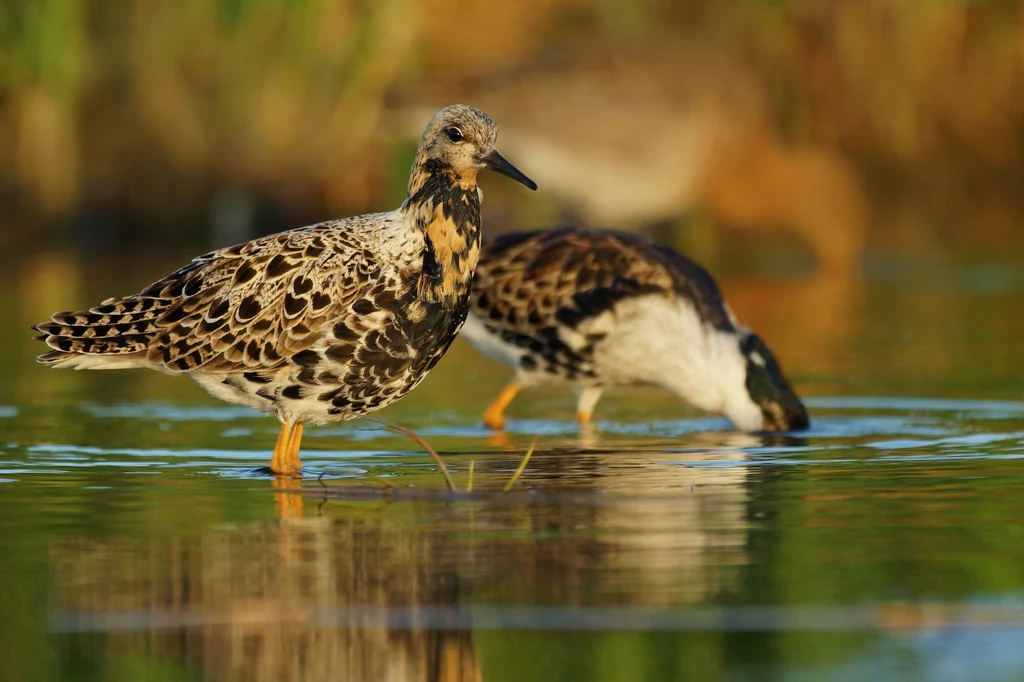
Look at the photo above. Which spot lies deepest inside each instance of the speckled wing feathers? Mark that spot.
(535, 289)
(240, 308)
(256, 304)
(309, 314)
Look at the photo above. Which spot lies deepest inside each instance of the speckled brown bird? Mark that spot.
(324, 323)
(596, 309)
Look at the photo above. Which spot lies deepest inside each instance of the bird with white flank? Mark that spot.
(595, 309)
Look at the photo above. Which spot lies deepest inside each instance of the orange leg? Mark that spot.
(493, 418)
(287, 468)
(278, 458)
(293, 448)
(586, 403)
(285, 461)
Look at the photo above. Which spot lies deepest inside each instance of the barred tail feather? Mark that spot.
(112, 335)
(64, 360)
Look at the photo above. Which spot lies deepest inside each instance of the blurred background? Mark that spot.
(817, 129)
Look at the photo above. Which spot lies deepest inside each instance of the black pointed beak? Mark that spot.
(497, 162)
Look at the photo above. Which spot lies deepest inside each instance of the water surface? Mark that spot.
(139, 540)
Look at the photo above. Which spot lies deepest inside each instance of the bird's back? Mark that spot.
(539, 293)
(242, 308)
(319, 323)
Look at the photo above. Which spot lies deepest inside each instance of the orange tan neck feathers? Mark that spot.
(446, 207)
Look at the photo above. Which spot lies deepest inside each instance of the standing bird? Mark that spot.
(598, 309)
(324, 323)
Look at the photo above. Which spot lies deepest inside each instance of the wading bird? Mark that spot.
(596, 309)
(324, 323)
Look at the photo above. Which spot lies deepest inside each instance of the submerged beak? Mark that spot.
(788, 414)
(768, 388)
(497, 162)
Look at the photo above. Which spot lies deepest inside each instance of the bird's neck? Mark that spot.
(445, 207)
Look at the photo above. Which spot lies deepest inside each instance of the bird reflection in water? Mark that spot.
(254, 602)
(387, 588)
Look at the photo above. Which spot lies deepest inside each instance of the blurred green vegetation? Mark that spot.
(129, 118)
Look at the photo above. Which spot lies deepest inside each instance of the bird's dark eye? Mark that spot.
(454, 134)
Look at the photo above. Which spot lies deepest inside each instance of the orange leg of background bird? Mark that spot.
(585, 404)
(493, 418)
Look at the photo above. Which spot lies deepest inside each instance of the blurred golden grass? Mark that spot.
(158, 104)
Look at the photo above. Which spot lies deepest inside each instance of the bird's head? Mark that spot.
(461, 139)
(766, 401)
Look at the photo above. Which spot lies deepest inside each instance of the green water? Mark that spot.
(139, 542)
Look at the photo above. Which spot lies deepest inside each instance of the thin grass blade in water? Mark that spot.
(412, 435)
(522, 466)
